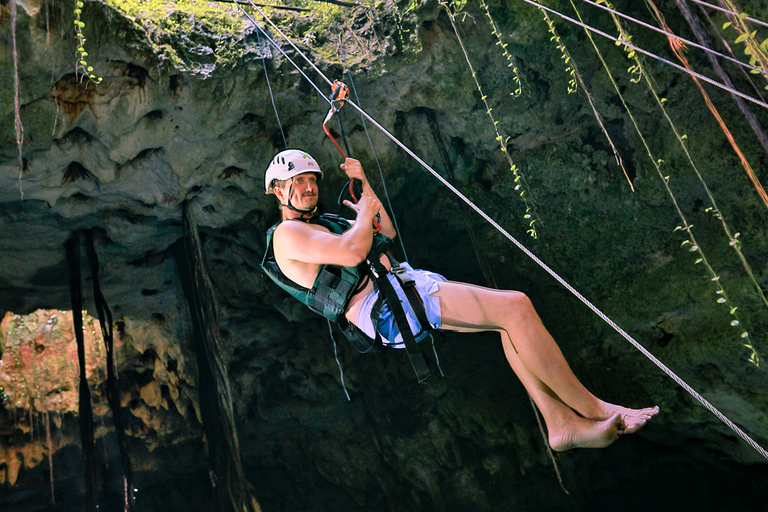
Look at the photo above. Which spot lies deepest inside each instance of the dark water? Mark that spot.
(633, 475)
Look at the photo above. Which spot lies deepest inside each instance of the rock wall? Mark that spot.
(173, 121)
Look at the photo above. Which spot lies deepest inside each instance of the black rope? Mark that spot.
(113, 393)
(233, 492)
(271, 96)
(85, 409)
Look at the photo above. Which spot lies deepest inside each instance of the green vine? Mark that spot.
(81, 67)
(757, 51)
(520, 185)
(573, 72)
(570, 69)
(500, 43)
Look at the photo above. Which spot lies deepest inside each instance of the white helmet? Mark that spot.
(290, 163)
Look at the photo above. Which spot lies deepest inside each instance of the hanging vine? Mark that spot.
(690, 242)
(82, 69)
(511, 63)
(520, 185)
(573, 71)
(678, 48)
(17, 126)
(756, 50)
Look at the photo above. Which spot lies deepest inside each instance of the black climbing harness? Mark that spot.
(335, 286)
(379, 273)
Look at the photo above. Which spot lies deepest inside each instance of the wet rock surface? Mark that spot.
(120, 157)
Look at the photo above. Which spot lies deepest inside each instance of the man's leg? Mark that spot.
(565, 428)
(531, 351)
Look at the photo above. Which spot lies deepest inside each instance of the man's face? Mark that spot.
(303, 190)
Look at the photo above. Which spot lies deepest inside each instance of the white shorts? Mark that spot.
(426, 284)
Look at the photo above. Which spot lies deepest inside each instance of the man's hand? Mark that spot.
(366, 208)
(354, 170)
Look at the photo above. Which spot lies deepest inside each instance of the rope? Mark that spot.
(381, 173)
(653, 55)
(277, 29)
(670, 34)
(721, 9)
(269, 38)
(703, 401)
(743, 159)
(437, 359)
(336, 355)
(271, 96)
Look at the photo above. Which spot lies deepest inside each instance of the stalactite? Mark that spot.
(113, 393)
(50, 455)
(233, 491)
(85, 408)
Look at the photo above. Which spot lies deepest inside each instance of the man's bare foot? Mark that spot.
(634, 419)
(583, 433)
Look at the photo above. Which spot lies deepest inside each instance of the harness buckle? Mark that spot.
(403, 276)
(372, 267)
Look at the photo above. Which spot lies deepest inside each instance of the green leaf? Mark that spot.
(726, 25)
(742, 38)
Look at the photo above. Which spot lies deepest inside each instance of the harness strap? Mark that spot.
(379, 273)
(409, 287)
(361, 341)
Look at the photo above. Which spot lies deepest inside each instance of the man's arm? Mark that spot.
(307, 243)
(354, 170)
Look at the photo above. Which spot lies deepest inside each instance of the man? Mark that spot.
(306, 247)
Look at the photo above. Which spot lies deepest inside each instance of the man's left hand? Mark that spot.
(354, 170)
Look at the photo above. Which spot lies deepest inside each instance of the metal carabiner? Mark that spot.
(339, 94)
